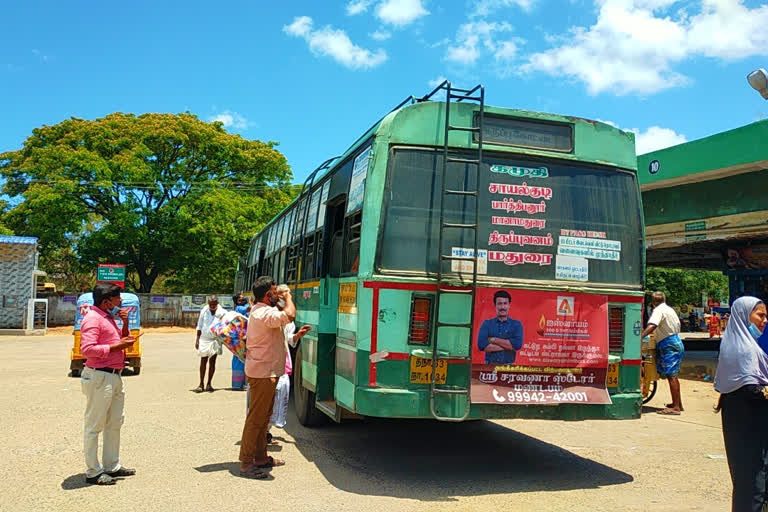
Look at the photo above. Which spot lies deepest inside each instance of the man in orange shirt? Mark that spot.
(264, 364)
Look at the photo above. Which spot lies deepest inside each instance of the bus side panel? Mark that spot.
(307, 302)
(455, 341)
(629, 376)
(345, 352)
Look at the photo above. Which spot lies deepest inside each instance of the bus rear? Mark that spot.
(548, 326)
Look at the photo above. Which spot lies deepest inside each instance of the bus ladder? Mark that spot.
(444, 289)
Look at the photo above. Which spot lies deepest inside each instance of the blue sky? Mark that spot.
(314, 75)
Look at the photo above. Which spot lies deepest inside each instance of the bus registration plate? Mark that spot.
(421, 370)
(612, 380)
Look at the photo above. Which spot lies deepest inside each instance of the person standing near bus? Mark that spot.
(206, 344)
(669, 348)
(103, 345)
(238, 366)
(742, 379)
(264, 364)
(500, 337)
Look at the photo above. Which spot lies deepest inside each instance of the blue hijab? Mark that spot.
(742, 361)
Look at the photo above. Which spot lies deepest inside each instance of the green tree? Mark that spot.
(165, 194)
(685, 286)
(3, 229)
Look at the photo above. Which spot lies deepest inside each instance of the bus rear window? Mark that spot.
(546, 220)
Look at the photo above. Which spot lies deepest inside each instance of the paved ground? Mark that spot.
(184, 446)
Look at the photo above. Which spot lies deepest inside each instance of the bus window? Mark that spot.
(352, 245)
(582, 198)
(308, 265)
(333, 253)
(259, 266)
(281, 267)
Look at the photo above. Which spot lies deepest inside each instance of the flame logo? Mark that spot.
(542, 326)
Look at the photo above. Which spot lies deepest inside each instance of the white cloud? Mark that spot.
(301, 26)
(400, 12)
(483, 8)
(334, 43)
(475, 37)
(357, 7)
(726, 29)
(653, 138)
(635, 44)
(437, 81)
(230, 120)
(381, 35)
(506, 50)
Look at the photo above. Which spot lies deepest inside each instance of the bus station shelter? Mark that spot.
(706, 206)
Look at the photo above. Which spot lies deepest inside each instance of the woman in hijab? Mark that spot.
(741, 378)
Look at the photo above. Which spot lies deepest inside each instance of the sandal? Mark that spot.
(669, 406)
(209, 388)
(198, 389)
(669, 412)
(102, 479)
(273, 463)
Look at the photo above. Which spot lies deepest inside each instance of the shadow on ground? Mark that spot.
(78, 482)
(232, 467)
(74, 482)
(435, 461)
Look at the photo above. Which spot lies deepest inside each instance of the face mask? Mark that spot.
(754, 331)
(280, 303)
(114, 310)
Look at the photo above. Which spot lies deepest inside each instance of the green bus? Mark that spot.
(461, 261)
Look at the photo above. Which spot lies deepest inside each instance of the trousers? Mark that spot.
(253, 446)
(104, 412)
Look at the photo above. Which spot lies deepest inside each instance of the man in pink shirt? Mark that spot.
(103, 345)
(264, 364)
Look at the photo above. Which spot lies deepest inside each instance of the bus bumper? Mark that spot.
(403, 403)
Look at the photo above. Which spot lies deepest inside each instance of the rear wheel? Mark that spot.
(304, 399)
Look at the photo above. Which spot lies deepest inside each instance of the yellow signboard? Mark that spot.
(348, 298)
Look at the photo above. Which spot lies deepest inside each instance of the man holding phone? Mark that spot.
(103, 344)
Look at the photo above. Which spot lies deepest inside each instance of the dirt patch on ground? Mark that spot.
(67, 329)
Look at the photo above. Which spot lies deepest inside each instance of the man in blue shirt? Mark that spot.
(501, 337)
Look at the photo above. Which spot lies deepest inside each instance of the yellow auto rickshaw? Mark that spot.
(132, 355)
(649, 374)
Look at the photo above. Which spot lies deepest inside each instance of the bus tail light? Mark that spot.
(615, 328)
(421, 312)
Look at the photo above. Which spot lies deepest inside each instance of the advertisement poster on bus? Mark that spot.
(535, 347)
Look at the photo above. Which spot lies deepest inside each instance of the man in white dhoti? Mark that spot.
(206, 344)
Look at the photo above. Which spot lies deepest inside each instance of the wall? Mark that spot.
(17, 266)
(156, 310)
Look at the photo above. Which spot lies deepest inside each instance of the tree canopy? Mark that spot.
(3, 229)
(686, 286)
(165, 194)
